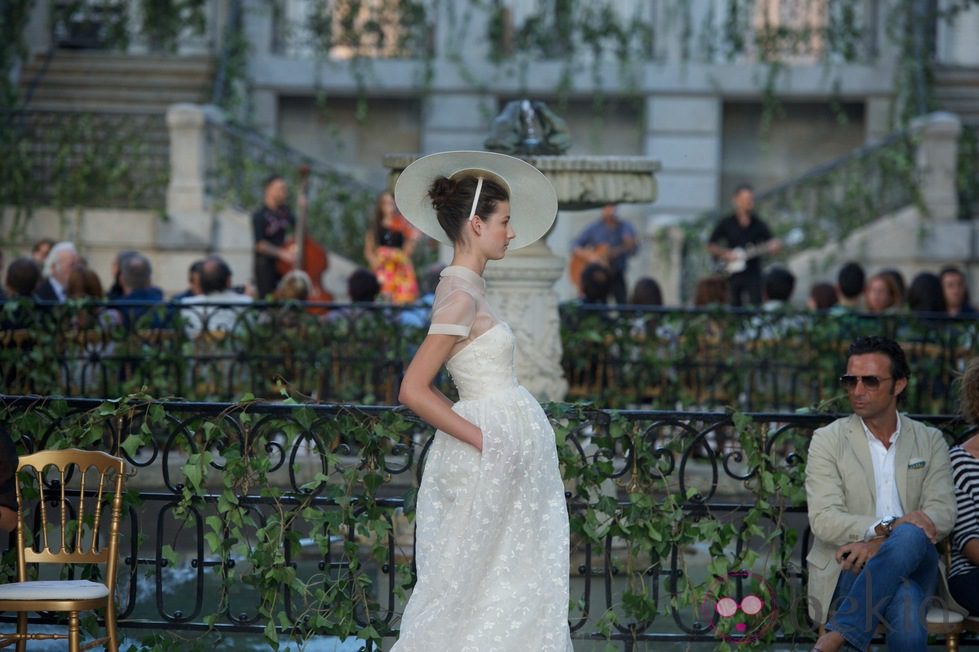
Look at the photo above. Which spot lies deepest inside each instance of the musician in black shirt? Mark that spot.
(270, 225)
(738, 241)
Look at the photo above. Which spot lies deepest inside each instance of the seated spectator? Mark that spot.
(925, 294)
(963, 574)
(596, 283)
(216, 288)
(60, 261)
(822, 296)
(646, 292)
(778, 287)
(40, 251)
(23, 276)
(294, 286)
(419, 317)
(193, 282)
(956, 292)
(850, 286)
(84, 283)
(901, 294)
(363, 288)
(883, 295)
(8, 482)
(136, 281)
(711, 291)
(116, 290)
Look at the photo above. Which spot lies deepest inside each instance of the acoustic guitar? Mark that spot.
(602, 254)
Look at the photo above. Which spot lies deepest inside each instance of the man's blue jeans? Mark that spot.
(890, 590)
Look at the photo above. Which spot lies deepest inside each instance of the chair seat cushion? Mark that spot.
(53, 590)
(939, 616)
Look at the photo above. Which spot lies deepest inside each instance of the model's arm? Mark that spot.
(422, 398)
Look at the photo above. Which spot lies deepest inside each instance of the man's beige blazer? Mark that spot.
(842, 494)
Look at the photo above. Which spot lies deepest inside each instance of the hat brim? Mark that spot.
(533, 202)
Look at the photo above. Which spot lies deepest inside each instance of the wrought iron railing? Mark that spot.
(69, 159)
(240, 159)
(645, 489)
(636, 358)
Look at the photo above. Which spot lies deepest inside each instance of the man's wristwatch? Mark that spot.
(886, 526)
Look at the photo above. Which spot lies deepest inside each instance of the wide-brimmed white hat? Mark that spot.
(533, 202)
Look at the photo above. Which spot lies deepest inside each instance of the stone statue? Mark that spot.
(526, 127)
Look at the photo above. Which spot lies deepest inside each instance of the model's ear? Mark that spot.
(476, 224)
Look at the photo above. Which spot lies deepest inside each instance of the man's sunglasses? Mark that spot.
(870, 382)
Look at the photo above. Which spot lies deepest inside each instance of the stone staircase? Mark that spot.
(118, 82)
(957, 91)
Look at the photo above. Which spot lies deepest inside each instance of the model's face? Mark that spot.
(878, 295)
(953, 287)
(873, 403)
(496, 233)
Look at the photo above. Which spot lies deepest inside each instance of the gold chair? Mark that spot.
(71, 530)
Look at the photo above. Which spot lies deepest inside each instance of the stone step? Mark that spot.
(62, 78)
(126, 64)
(118, 96)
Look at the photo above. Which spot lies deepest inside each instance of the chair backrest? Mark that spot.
(69, 508)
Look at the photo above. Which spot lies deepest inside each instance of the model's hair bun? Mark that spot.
(441, 192)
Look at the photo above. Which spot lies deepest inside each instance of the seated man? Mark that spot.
(215, 280)
(880, 495)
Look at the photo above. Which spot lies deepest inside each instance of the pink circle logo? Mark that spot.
(740, 621)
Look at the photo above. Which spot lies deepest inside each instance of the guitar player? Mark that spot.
(609, 241)
(740, 231)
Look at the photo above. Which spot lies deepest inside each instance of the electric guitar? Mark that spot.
(741, 255)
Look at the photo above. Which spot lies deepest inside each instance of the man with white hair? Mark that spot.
(58, 265)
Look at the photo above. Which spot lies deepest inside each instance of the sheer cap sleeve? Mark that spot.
(453, 313)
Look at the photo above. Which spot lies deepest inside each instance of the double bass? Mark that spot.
(309, 255)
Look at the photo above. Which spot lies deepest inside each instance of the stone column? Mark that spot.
(937, 161)
(189, 219)
(521, 288)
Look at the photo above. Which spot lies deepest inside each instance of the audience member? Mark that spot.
(116, 290)
(193, 282)
(822, 296)
(216, 289)
(362, 288)
(136, 282)
(596, 283)
(883, 294)
(925, 294)
(40, 251)
(963, 574)
(710, 291)
(902, 287)
(956, 292)
(778, 287)
(294, 286)
(84, 283)
(418, 317)
(60, 261)
(23, 276)
(873, 561)
(850, 285)
(646, 292)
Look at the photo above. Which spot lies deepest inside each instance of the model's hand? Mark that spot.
(479, 440)
(854, 556)
(921, 520)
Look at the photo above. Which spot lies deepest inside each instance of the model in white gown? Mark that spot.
(492, 527)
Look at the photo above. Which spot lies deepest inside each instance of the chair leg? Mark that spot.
(74, 635)
(22, 631)
(110, 625)
(952, 643)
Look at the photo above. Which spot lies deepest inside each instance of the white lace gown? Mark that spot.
(492, 537)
